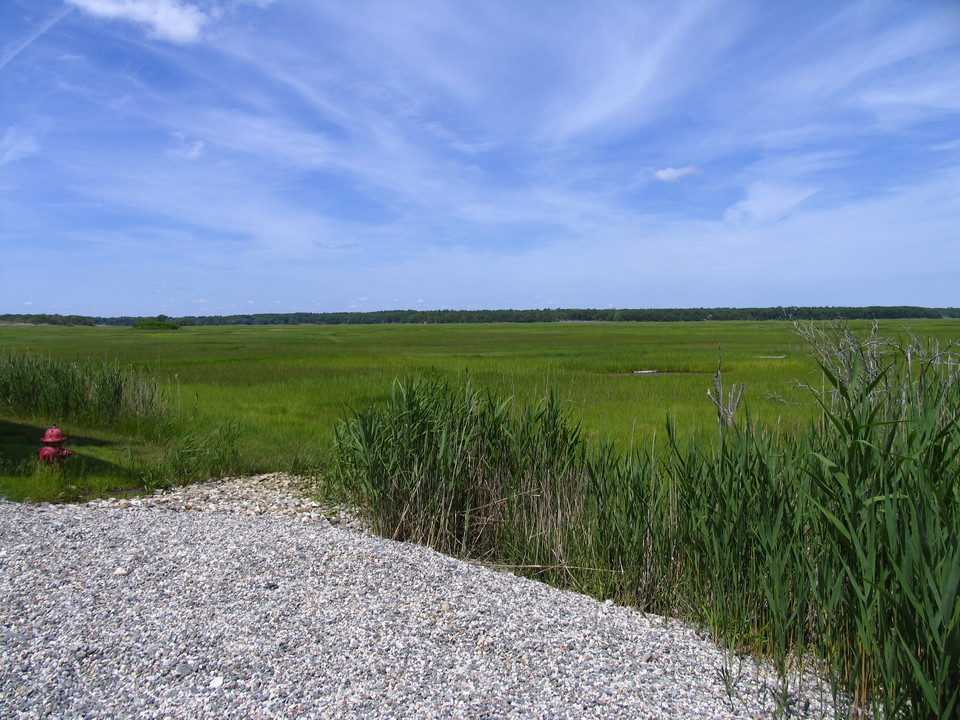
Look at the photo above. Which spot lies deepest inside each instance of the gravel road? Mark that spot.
(223, 610)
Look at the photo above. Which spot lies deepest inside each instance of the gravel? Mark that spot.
(243, 599)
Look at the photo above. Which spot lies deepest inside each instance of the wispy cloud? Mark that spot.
(908, 97)
(186, 148)
(165, 19)
(471, 154)
(833, 60)
(631, 60)
(16, 144)
(766, 203)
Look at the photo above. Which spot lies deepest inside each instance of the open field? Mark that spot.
(276, 392)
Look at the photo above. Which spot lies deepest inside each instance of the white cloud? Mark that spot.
(673, 174)
(167, 19)
(765, 203)
(16, 144)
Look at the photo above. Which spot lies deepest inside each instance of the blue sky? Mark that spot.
(208, 157)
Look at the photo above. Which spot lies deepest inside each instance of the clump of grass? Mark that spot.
(181, 459)
(194, 456)
(885, 486)
(30, 480)
(103, 393)
(839, 541)
(442, 465)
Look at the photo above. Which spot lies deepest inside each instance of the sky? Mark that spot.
(216, 157)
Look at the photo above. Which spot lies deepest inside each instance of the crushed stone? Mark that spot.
(242, 598)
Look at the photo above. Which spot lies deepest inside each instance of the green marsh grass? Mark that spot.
(836, 544)
(471, 473)
(287, 386)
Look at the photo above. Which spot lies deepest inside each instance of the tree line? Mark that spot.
(872, 312)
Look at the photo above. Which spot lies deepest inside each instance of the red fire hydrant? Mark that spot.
(53, 450)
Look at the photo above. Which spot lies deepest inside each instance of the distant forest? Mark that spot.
(511, 316)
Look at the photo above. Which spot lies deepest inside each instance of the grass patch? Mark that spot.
(101, 392)
(112, 461)
(89, 472)
(122, 432)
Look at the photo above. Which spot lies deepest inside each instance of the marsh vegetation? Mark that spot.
(816, 523)
(834, 544)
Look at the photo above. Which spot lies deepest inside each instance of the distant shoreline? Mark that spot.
(546, 315)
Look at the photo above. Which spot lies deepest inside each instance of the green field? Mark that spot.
(275, 393)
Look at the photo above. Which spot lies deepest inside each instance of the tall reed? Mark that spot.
(37, 386)
(840, 541)
(446, 466)
(885, 484)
